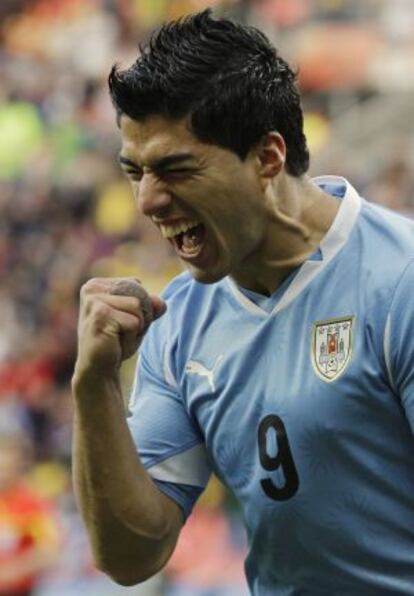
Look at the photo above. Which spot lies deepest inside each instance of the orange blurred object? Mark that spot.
(337, 56)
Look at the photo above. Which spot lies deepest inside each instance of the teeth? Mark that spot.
(169, 231)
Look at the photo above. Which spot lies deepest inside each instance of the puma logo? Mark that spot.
(196, 368)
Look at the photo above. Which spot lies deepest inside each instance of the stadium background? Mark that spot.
(66, 214)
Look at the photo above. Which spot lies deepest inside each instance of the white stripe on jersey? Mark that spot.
(387, 355)
(188, 467)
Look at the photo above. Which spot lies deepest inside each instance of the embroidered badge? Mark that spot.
(332, 346)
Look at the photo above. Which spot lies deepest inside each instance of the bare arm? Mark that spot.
(133, 527)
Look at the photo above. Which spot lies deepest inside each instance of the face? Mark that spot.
(203, 198)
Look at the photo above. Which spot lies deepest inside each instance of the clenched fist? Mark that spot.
(114, 316)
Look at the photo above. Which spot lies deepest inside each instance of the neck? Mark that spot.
(300, 214)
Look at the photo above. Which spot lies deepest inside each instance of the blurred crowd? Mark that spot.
(66, 214)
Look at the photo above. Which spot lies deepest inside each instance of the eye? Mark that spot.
(134, 174)
(178, 173)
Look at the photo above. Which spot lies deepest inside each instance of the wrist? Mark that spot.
(89, 379)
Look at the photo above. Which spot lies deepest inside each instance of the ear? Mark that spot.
(271, 154)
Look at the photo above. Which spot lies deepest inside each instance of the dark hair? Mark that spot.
(226, 76)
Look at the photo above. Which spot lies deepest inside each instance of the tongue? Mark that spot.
(192, 238)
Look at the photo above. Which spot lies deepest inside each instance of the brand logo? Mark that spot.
(332, 346)
(196, 368)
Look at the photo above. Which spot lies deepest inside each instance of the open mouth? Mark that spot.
(186, 237)
(190, 242)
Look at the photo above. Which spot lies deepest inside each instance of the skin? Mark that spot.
(132, 526)
(260, 223)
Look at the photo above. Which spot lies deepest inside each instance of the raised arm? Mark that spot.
(133, 527)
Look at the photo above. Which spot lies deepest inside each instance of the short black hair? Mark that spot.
(227, 77)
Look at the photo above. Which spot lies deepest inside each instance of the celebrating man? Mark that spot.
(282, 360)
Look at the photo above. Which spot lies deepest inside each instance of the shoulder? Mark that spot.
(184, 285)
(386, 247)
(181, 290)
(192, 307)
(179, 284)
(391, 233)
(187, 297)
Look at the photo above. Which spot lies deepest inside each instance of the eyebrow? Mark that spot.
(159, 164)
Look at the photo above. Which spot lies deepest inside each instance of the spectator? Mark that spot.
(29, 533)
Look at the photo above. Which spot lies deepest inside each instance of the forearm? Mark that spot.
(132, 525)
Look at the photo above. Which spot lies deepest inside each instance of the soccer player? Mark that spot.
(282, 360)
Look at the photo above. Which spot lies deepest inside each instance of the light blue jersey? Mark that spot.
(303, 405)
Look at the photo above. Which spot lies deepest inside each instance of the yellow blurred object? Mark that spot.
(213, 496)
(317, 131)
(180, 8)
(21, 134)
(113, 267)
(115, 212)
(149, 14)
(25, 34)
(49, 479)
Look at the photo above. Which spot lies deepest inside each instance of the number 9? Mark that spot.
(283, 459)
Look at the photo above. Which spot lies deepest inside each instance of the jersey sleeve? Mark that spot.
(170, 445)
(399, 341)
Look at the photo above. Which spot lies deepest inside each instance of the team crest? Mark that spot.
(331, 347)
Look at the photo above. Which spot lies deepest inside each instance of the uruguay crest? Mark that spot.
(332, 346)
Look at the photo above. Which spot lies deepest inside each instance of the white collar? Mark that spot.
(335, 238)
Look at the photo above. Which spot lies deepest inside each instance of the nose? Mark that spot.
(152, 196)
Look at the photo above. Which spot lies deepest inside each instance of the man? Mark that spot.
(284, 360)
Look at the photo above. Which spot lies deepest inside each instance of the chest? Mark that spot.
(278, 394)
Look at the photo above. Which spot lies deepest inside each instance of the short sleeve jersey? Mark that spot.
(302, 404)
